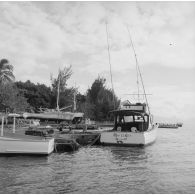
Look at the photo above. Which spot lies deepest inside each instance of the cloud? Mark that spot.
(40, 37)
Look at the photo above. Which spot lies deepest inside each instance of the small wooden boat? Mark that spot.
(21, 144)
(168, 125)
(54, 115)
(179, 124)
(25, 145)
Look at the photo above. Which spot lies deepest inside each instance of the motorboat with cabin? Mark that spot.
(133, 122)
(133, 126)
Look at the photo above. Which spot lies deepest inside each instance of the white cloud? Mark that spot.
(40, 37)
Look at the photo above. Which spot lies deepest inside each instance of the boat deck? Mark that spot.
(21, 135)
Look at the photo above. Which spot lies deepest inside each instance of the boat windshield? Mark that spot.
(131, 122)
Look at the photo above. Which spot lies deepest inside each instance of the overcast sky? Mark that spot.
(40, 37)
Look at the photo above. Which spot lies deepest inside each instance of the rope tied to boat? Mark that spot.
(94, 141)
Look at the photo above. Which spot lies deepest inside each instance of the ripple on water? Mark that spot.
(164, 167)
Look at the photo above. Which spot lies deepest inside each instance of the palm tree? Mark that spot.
(6, 72)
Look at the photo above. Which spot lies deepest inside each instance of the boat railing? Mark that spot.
(2, 125)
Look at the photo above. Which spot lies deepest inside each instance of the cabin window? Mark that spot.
(138, 119)
(128, 119)
(117, 119)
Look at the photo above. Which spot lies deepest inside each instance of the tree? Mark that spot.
(37, 95)
(6, 72)
(59, 87)
(62, 77)
(11, 99)
(99, 100)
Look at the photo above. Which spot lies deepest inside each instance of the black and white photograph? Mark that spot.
(97, 97)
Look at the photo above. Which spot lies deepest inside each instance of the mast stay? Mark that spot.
(138, 70)
(108, 47)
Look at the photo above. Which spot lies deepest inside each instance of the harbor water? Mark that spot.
(167, 166)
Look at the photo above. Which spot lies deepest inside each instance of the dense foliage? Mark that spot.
(26, 96)
(11, 100)
(42, 96)
(99, 100)
(37, 95)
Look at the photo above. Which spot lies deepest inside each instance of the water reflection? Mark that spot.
(129, 153)
(164, 167)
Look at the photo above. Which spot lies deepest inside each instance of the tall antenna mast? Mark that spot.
(138, 70)
(108, 47)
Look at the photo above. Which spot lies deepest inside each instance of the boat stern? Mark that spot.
(128, 138)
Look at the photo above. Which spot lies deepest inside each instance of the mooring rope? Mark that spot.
(94, 140)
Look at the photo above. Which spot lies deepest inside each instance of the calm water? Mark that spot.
(168, 166)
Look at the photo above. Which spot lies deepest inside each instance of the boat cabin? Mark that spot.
(131, 118)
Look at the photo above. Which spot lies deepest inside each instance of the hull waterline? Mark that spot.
(22, 146)
(129, 138)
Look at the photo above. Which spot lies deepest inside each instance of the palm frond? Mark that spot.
(6, 77)
(8, 67)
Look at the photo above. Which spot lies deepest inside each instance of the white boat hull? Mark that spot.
(53, 115)
(10, 145)
(129, 138)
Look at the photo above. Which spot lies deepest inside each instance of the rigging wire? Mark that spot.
(137, 83)
(108, 47)
(138, 69)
